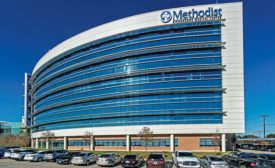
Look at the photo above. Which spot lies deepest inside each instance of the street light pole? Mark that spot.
(264, 122)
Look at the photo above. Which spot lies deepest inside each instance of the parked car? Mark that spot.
(242, 160)
(35, 157)
(132, 161)
(184, 159)
(53, 155)
(108, 159)
(84, 158)
(156, 160)
(19, 154)
(267, 160)
(265, 149)
(8, 152)
(2, 151)
(212, 161)
(66, 159)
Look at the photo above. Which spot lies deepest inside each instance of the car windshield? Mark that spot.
(185, 154)
(73, 153)
(18, 150)
(80, 154)
(48, 152)
(271, 157)
(216, 159)
(106, 155)
(155, 157)
(248, 155)
(130, 157)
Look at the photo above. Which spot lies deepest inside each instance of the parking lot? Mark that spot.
(8, 163)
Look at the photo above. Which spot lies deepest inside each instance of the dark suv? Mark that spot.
(242, 160)
(66, 159)
(156, 160)
(53, 155)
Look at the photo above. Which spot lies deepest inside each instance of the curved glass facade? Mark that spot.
(169, 74)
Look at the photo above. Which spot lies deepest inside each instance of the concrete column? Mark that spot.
(47, 143)
(32, 142)
(172, 143)
(128, 143)
(36, 143)
(92, 145)
(65, 143)
(223, 144)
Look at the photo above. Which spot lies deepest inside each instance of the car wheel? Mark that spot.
(88, 163)
(40, 159)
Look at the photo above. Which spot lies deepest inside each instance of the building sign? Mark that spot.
(181, 16)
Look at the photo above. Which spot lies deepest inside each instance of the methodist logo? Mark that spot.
(181, 16)
(166, 16)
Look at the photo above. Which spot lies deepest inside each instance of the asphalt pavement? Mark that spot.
(8, 163)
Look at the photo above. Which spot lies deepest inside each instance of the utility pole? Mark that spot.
(264, 118)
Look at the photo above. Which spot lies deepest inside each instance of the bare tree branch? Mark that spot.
(146, 135)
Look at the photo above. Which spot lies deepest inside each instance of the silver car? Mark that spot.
(35, 157)
(21, 153)
(108, 159)
(84, 158)
(211, 161)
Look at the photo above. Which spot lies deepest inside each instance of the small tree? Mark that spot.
(270, 136)
(24, 136)
(145, 135)
(49, 136)
(250, 136)
(217, 139)
(89, 138)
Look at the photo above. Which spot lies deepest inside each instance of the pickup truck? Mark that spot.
(185, 159)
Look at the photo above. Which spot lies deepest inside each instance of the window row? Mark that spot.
(126, 69)
(142, 33)
(129, 121)
(134, 101)
(115, 92)
(91, 54)
(150, 78)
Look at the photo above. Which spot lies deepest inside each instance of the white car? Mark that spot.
(108, 159)
(185, 159)
(8, 152)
